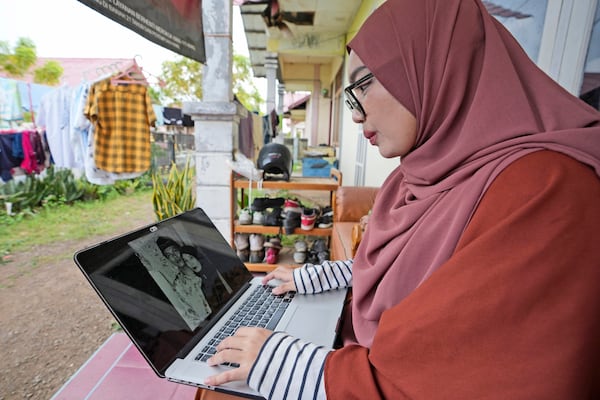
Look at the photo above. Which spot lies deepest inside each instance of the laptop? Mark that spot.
(176, 285)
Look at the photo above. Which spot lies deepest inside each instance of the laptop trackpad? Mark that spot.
(308, 323)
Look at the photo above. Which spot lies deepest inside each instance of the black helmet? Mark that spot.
(275, 160)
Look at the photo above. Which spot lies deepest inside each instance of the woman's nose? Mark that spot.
(357, 116)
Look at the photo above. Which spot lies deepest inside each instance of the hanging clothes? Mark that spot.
(267, 134)
(8, 159)
(158, 111)
(172, 116)
(121, 115)
(33, 157)
(245, 138)
(31, 95)
(83, 130)
(10, 103)
(54, 115)
(257, 134)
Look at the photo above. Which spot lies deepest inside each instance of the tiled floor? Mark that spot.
(117, 371)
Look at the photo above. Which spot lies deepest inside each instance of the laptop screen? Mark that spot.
(165, 282)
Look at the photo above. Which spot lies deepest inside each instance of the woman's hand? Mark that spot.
(242, 348)
(285, 276)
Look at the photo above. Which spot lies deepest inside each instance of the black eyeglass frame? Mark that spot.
(351, 100)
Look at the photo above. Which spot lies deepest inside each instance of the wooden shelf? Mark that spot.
(286, 256)
(296, 183)
(274, 230)
(286, 259)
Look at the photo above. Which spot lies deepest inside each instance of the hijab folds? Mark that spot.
(480, 104)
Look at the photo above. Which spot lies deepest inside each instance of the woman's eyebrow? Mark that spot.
(355, 72)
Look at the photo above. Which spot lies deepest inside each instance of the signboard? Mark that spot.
(173, 24)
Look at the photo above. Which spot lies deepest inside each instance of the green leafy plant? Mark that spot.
(175, 194)
(57, 187)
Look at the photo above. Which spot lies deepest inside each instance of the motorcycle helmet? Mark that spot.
(275, 160)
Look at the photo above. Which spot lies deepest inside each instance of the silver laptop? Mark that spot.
(177, 287)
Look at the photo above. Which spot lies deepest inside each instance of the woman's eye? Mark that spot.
(362, 88)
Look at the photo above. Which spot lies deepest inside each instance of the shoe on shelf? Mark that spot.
(299, 257)
(324, 221)
(274, 243)
(292, 205)
(311, 257)
(241, 241)
(262, 203)
(257, 241)
(257, 256)
(273, 217)
(258, 218)
(245, 217)
(244, 255)
(327, 211)
(309, 216)
(300, 246)
(319, 245)
(292, 221)
(271, 255)
(323, 256)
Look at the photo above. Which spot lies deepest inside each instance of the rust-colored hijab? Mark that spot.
(480, 104)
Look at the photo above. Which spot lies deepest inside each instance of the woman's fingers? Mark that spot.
(242, 349)
(283, 274)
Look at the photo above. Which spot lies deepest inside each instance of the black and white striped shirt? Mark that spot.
(287, 367)
(311, 279)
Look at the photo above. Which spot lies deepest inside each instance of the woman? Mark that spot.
(478, 274)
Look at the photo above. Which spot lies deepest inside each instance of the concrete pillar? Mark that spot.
(271, 72)
(216, 117)
(314, 106)
(281, 93)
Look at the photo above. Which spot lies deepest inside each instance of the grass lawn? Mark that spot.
(74, 222)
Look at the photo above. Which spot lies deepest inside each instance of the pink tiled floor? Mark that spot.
(117, 371)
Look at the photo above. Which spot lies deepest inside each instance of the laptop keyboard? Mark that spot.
(261, 309)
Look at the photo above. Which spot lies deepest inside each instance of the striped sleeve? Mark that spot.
(289, 368)
(311, 278)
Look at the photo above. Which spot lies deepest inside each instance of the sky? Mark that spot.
(70, 29)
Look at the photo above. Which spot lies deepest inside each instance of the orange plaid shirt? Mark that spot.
(122, 116)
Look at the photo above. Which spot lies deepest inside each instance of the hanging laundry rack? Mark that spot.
(131, 75)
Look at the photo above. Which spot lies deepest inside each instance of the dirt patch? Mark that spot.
(51, 320)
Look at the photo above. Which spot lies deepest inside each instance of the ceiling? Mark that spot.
(307, 37)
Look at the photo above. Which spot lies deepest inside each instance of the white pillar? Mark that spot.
(271, 73)
(216, 117)
(281, 93)
(314, 106)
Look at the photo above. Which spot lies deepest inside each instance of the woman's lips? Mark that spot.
(371, 136)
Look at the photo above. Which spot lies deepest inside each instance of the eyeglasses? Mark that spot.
(351, 100)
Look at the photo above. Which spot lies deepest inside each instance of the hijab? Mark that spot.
(480, 104)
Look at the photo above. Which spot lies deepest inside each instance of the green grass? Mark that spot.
(72, 222)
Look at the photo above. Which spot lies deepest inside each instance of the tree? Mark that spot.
(19, 61)
(49, 73)
(243, 87)
(183, 82)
